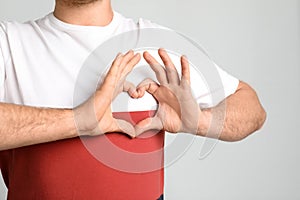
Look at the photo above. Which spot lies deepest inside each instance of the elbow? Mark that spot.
(236, 137)
(254, 124)
(256, 118)
(262, 116)
(257, 124)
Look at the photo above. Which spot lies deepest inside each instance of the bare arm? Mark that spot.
(233, 119)
(23, 125)
(243, 115)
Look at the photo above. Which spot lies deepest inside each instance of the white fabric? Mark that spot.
(2, 61)
(40, 61)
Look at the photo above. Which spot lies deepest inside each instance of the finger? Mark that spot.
(117, 73)
(113, 71)
(147, 85)
(131, 64)
(159, 70)
(185, 70)
(130, 89)
(124, 127)
(127, 57)
(113, 74)
(172, 74)
(147, 124)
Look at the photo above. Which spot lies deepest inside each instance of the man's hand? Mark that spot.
(24, 125)
(94, 117)
(178, 110)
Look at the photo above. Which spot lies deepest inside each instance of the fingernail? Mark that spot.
(185, 57)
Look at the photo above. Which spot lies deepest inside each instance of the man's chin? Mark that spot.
(77, 3)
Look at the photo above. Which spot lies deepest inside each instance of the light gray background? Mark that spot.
(259, 42)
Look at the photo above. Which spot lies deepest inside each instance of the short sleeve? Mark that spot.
(209, 92)
(2, 61)
(209, 83)
(1, 67)
(230, 83)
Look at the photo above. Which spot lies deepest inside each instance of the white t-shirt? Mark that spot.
(40, 62)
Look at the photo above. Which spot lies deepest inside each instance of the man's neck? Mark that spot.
(98, 13)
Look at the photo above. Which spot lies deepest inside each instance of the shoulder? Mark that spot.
(3, 29)
(10, 28)
(145, 23)
(141, 23)
(3, 40)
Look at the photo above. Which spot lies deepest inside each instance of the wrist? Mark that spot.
(204, 122)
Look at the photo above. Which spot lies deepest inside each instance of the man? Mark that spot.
(39, 64)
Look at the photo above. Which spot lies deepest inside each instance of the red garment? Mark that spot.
(66, 170)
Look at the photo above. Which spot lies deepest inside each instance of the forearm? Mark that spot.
(23, 125)
(235, 118)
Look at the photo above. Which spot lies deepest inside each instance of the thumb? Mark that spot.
(124, 127)
(152, 123)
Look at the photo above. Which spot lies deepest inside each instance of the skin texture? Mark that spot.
(23, 125)
(77, 3)
(94, 117)
(232, 120)
(178, 111)
(98, 13)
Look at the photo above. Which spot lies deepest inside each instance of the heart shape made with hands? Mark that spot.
(177, 110)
